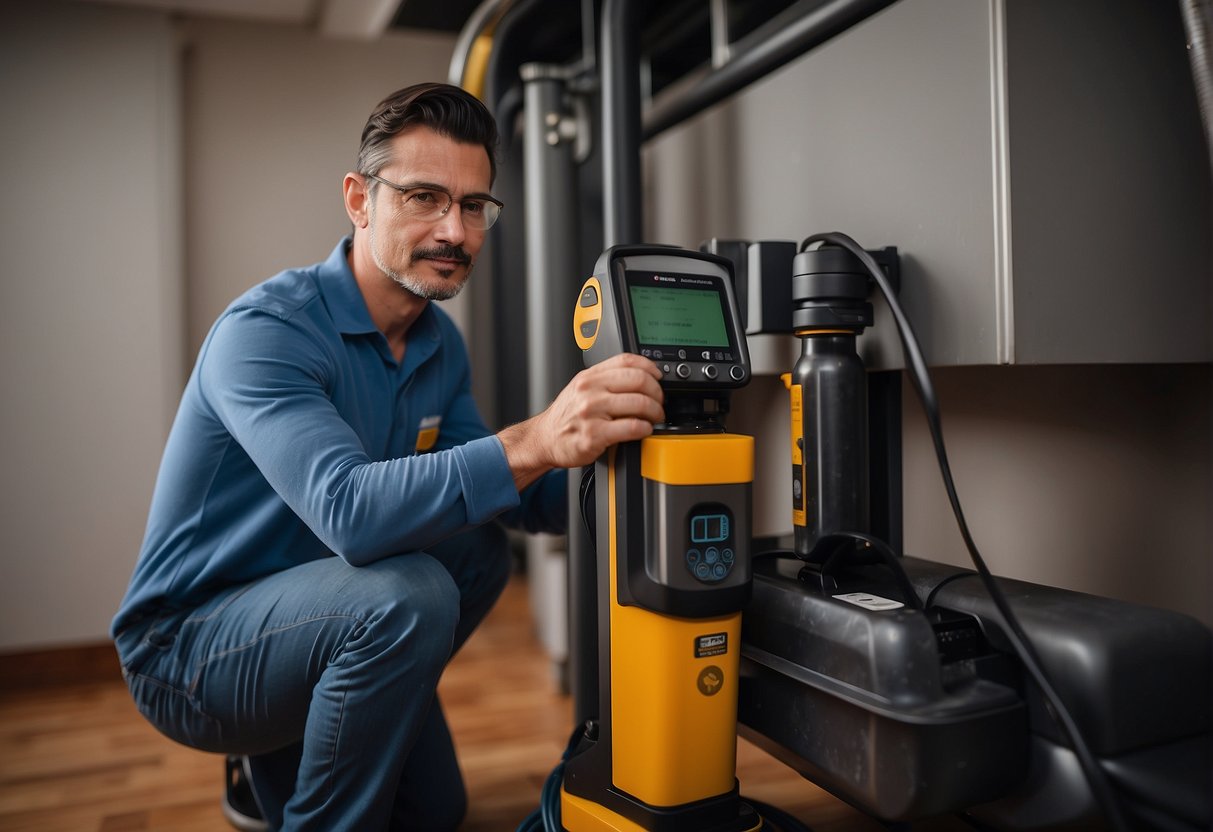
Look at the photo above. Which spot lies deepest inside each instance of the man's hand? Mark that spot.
(616, 401)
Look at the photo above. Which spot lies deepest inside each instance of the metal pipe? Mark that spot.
(551, 233)
(482, 17)
(785, 37)
(622, 218)
(1198, 23)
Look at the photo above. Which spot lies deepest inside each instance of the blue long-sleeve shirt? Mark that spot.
(299, 437)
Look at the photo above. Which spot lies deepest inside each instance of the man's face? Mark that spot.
(430, 258)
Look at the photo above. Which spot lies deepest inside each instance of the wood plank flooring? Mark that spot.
(78, 757)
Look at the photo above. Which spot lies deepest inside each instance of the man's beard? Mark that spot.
(442, 291)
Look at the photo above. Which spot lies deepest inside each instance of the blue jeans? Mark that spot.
(324, 674)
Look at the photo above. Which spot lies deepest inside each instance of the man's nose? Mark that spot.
(449, 227)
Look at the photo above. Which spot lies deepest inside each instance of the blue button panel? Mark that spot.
(709, 554)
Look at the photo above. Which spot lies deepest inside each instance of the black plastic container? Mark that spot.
(869, 706)
(830, 392)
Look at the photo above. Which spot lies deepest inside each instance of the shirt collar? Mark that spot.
(348, 307)
(342, 295)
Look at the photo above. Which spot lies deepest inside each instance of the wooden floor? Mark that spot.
(77, 758)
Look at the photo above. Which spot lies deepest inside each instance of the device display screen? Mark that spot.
(709, 528)
(678, 310)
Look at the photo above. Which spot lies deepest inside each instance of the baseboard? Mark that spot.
(40, 669)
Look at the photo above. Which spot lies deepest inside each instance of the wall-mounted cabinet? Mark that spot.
(1040, 165)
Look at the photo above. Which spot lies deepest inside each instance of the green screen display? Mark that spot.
(678, 317)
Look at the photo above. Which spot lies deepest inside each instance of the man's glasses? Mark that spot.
(431, 203)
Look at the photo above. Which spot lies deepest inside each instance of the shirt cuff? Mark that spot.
(486, 479)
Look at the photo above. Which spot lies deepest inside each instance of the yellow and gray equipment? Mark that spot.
(672, 519)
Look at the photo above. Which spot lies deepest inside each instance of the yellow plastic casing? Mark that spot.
(674, 716)
(580, 815)
(587, 314)
(797, 411)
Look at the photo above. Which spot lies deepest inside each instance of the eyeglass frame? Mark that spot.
(430, 186)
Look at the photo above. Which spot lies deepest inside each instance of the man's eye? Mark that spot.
(424, 197)
(472, 206)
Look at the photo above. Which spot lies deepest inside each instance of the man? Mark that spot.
(320, 540)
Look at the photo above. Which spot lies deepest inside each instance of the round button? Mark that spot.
(702, 571)
(692, 556)
(737, 372)
(665, 368)
(712, 554)
(709, 370)
(683, 371)
(682, 355)
(727, 556)
(719, 571)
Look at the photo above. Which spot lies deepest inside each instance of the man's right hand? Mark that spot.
(616, 401)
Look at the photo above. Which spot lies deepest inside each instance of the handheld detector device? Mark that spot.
(672, 566)
(674, 306)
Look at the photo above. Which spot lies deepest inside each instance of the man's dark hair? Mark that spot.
(445, 109)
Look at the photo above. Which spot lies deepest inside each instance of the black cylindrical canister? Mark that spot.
(829, 390)
(833, 480)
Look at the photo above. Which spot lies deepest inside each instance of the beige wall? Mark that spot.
(154, 167)
(1096, 478)
(91, 318)
(272, 120)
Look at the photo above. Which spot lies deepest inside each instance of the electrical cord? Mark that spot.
(546, 818)
(839, 543)
(921, 379)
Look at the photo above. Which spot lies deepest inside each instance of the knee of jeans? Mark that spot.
(415, 594)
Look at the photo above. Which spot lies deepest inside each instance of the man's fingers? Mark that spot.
(624, 430)
(622, 405)
(628, 362)
(619, 378)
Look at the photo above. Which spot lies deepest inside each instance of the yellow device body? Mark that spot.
(672, 516)
(674, 680)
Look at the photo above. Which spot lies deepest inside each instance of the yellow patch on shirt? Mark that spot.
(427, 433)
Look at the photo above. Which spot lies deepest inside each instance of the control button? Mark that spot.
(658, 354)
(709, 370)
(707, 355)
(718, 355)
(737, 372)
(683, 371)
(682, 355)
(589, 296)
(719, 571)
(727, 557)
(589, 328)
(712, 554)
(702, 571)
(665, 368)
(692, 556)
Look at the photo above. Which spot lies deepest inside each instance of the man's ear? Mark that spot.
(357, 203)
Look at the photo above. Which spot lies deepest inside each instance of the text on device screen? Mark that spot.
(677, 310)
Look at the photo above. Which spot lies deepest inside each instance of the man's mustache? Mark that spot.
(441, 253)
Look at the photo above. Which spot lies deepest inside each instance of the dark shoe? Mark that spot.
(239, 805)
